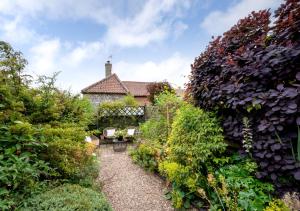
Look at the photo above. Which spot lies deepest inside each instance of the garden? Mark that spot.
(232, 143)
(45, 163)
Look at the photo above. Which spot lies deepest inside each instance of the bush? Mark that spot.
(72, 158)
(30, 120)
(253, 71)
(68, 197)
(238, 188)
(158, 127)
(156, 130)
(146, 156)
(156, 88)
(196, 137)
(277, 205)
(195, 141)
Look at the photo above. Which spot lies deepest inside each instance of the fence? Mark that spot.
(120, 117)
(124, 111)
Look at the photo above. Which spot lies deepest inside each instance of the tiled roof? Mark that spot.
(113, 85)
(137, 88)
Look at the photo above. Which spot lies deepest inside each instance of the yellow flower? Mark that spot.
(211, 180)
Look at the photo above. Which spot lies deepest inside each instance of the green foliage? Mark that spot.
(121, 133)
(130, 101)
(20, 165)
(196, 137)
(238, 187)
(19, 176)
(63, 131)
(145, 156)
(69, 157)
(276, 205)
(156, 88)
(195, 140)
(68, 197)
(155, 131)
(33, 122)
(158, 127)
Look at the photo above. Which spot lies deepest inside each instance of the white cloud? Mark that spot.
(44, 57)
(173, 69)
(57, 9)
(150, 21)
(15, 31)
(83, 52)
(217, 22)
(82, 63)
(153, 23)
(72, 60)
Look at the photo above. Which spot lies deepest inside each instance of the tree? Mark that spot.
(156, 88)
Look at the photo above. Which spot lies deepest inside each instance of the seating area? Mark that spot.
(118, 137)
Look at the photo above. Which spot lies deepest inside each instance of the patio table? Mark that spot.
(119, 146)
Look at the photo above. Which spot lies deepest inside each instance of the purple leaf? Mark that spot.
(297, 175)
(298, 76)
(280, 87)
(298, 120)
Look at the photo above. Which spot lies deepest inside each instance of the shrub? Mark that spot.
(71, 158)
(20, 167)
(277, 205)
(196, 137)
(30, 119)
(145, 156)
(158, 127)
(62, 131)
(238, 188)
(253, 71)
(68, 197)
(156, 130)
(157, 88)
(130, 101)
(195, 141)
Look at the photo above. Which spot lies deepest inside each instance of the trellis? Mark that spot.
(121, 117)
(124, 111)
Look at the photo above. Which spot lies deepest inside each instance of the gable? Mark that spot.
(109, 85)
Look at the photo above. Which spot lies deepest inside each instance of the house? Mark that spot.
(112, 88)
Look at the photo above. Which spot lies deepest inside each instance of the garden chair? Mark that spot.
(131, 133)
(109, 133)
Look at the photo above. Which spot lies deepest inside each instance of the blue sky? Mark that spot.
(151, 40)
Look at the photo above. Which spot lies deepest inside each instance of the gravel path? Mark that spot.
(127, 186)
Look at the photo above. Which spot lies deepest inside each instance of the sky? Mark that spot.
(151, 40)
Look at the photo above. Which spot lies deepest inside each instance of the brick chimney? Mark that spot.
(108, 67)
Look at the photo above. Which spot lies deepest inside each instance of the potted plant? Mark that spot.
(120, 134)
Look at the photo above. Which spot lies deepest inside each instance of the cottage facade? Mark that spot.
(111, 88)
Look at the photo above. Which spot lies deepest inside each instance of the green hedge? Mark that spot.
(68, 197)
